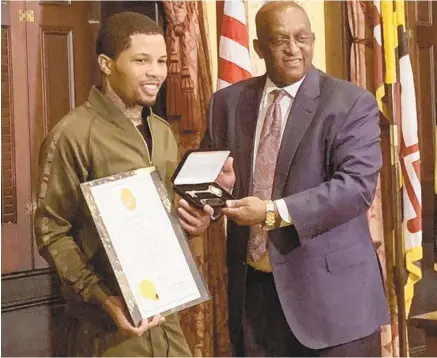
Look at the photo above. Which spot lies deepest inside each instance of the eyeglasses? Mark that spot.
(282, 43)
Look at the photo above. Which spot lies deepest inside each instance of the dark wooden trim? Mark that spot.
(30, 288)
(94, 22)
(338, 40)
(49, 301)
(16, 247)
(220, 4)
(6, 16)
(37, 331)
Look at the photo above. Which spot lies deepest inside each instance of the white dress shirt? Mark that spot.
(286, 104)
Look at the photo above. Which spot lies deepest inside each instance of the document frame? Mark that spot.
(141, 300)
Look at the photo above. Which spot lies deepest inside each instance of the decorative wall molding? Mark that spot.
(30, 288)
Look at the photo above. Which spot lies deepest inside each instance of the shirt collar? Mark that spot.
(290, 89)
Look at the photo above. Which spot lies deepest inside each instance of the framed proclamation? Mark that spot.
(145, 244)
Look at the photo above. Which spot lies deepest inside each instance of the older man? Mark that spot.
(303, 274)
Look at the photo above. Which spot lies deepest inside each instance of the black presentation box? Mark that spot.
(194, 179)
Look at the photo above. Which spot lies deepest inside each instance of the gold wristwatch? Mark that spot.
(270, 214)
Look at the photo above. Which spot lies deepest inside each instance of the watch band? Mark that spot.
(270, 214)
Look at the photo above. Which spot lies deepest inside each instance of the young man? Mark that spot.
(303, 274)
(113, 132)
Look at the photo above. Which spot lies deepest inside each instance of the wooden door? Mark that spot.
(48, 64)
(16, 209)
(60, 71)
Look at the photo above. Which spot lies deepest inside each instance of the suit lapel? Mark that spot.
(246, 117)
(300, 117)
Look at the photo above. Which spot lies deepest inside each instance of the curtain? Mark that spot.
(189, 89)
(361, 24)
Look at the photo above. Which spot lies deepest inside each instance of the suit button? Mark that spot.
(243, 263)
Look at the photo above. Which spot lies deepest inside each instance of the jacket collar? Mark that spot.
(108, 110)
(104, 106)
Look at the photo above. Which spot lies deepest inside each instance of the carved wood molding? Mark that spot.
(9, 187)
(29, 289)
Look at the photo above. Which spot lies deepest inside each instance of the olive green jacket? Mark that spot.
(93, 141)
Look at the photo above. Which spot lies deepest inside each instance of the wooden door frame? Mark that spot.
(411, 24)
(20, 235)
(338, 40)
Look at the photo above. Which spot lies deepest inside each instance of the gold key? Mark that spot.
(211, 190)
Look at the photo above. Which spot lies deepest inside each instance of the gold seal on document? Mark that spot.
(128, 199)
(147, 289)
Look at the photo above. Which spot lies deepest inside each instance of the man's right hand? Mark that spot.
(116, 309)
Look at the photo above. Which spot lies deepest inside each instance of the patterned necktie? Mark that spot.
(265, 166)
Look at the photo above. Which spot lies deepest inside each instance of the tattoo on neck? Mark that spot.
(133, 112)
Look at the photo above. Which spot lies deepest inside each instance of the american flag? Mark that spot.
(234, 58)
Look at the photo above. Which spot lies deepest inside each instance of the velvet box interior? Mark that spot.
(194, 179)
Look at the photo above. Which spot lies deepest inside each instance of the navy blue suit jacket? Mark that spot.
(324, 265)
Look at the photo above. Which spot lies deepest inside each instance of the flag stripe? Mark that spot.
(414, 218)
(222, 84)
(232, 73)
(389, 33)
(235, 9)
(235, 30)
(233, 52)
(234, 59)
(409, 156)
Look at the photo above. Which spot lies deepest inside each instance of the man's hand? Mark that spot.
(226, 178)
(247, 211)
(116, 308)
(194, 221)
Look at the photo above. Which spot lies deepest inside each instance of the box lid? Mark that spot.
(199, 166)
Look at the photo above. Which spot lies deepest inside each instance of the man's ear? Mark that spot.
(258, 49)
(105, 64)
(314, 40)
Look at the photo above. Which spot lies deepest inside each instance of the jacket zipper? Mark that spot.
(151, 134)
(144, 141)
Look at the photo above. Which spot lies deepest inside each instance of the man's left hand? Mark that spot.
(247, 211)
(194, 221)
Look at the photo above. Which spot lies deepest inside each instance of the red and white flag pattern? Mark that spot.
(234, 58)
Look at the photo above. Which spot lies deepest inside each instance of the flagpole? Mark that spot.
(396, 201)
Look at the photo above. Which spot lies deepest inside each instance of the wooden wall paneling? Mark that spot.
(422, 40)
(94, 22)
(32, 314)
(9, 189)
(16, 196)
(424, 15)
(59, 71)
(338, 39)
(47, 72)
(220, 4)
(152, 9)
(426, 37)
(25, 332)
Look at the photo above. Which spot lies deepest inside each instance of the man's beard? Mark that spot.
(145, 101)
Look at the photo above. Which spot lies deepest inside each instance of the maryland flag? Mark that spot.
(394, 72)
